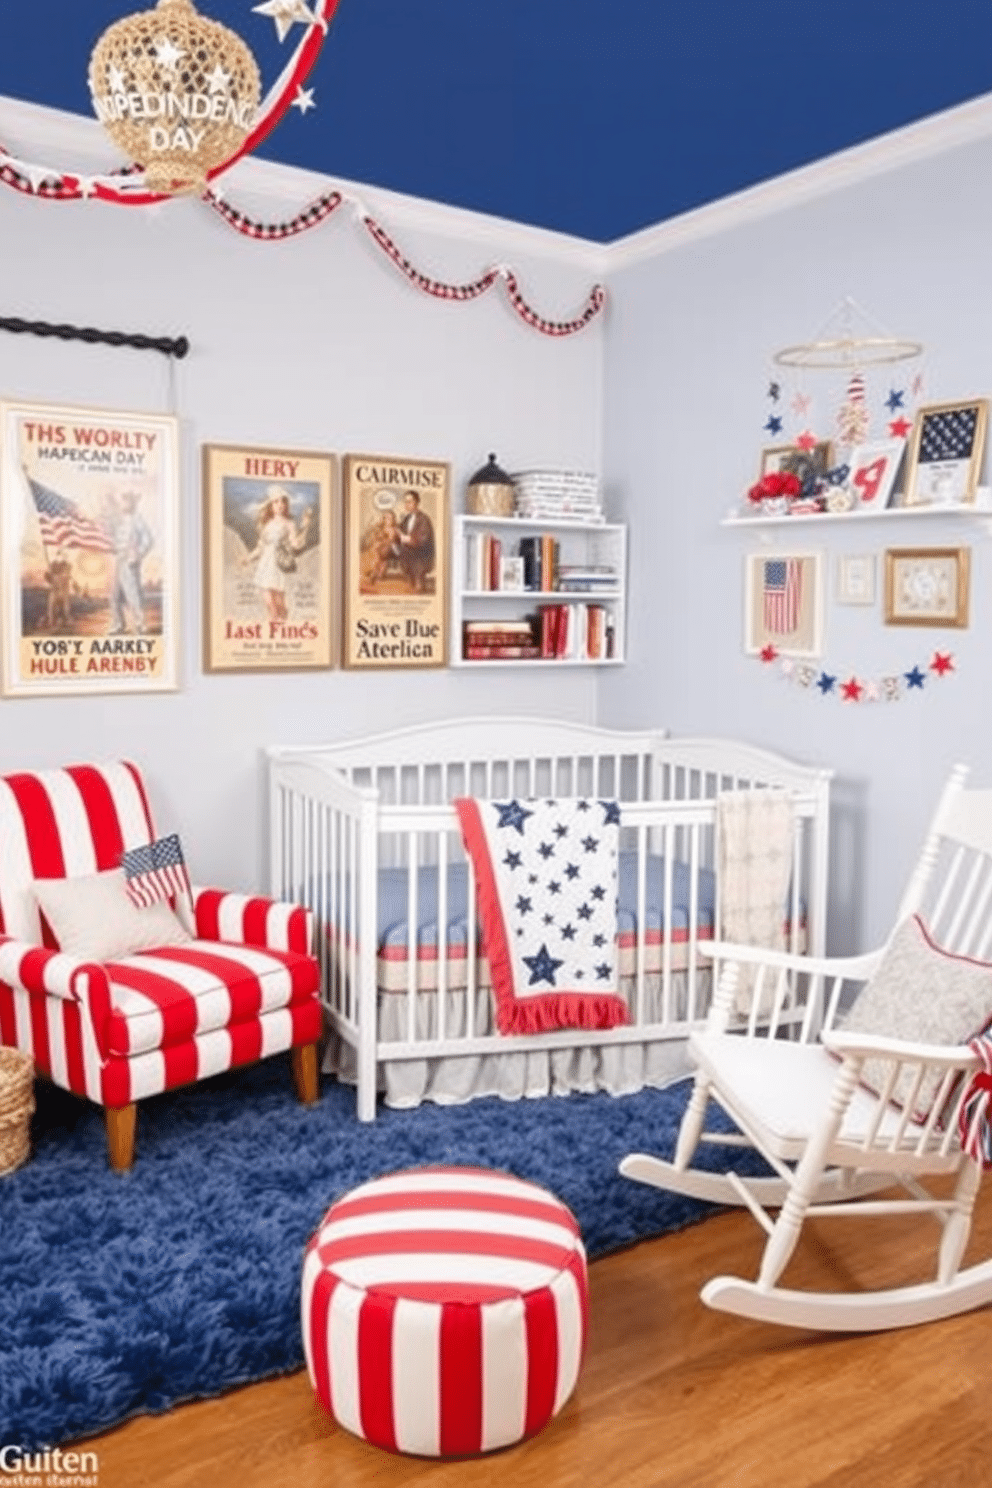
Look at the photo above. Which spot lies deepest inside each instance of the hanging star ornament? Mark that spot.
(852, 690)
(806, 440)
(800, 404)
(285, 13)
(894, 400)
(303, 100)
(899, 428)
(942, 663)
(774, 391)
(773, 424)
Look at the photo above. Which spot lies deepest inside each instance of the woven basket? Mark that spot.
(16, 1107)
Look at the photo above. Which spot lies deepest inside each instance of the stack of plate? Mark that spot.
(558, 495)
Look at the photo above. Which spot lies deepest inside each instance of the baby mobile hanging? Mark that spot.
(837, 414)
(180, 95)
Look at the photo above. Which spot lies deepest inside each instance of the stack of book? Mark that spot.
(592, 578)
(499, 640)
(558, 495)
(576, 632)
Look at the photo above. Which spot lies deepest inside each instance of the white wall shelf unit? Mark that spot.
(591, 580)
(974, 511)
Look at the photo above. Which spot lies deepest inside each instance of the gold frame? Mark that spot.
(958, 477)
(776, 457)
(89, 535)
(395, 585)
(927, 586)
(288, 625)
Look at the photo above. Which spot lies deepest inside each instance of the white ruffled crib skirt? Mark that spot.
(452, 1079)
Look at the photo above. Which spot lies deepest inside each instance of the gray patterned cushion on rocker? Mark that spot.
(924, 995)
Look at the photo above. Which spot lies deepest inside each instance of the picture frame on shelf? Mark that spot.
(855, 581)
(783, 602)
(927, 586)
(511, 573)
(945, 453)
(874, 469)
(89, 537)
(270, 559)
(396, 526)
(809, 464)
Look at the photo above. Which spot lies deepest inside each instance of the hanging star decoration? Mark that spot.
(853, 419)
(856, 689)
(773, 424)
(800, 404)
(894, 400)
(285, 13)
(899, 428)
(774, 391)
(806, 440)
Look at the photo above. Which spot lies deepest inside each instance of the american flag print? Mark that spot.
(546, 880)
(948, 435)
(63, 525)
(156, 872)
(782, 591)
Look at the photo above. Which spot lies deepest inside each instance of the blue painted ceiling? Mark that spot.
(593, 119)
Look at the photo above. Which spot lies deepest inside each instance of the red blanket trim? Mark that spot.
(544, 1011)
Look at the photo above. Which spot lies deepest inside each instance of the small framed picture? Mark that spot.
(511, 573)
(808, 464)
(783, 602)
(856, 579)
(927, 586)
(873, 472)
(945, 455)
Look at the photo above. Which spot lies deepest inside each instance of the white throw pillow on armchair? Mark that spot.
(93, 918)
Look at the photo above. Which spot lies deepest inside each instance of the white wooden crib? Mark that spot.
(364, 834)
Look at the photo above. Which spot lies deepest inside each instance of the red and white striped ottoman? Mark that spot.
(445, 1310)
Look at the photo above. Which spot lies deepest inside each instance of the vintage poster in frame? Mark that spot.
(945, 455)
(89, 543)
(269, 559)
(396, 544)
(783, 603)
(927, 586)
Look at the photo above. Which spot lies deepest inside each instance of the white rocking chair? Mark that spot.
(840, 1114)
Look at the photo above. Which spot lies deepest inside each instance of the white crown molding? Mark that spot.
(963, 125)
(52, 137)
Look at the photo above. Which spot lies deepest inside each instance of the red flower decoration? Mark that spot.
(775, 483)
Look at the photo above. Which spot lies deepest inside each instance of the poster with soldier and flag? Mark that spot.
(89, 543)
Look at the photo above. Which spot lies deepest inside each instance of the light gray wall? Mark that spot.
(316, 343)
(688, 358)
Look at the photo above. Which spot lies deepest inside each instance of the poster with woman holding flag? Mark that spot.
(89, 545)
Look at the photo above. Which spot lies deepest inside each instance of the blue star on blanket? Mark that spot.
(546, 880)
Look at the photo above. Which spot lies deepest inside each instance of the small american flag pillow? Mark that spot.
(156, 872)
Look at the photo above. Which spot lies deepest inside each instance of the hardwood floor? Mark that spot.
(671, 1393)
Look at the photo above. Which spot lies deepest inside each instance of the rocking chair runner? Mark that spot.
(839, 1110)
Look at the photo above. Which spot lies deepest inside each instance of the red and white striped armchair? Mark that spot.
(238, 985)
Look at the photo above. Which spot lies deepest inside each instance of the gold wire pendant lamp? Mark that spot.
(177, 92)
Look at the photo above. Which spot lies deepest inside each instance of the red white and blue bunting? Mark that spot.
(850, 687)
(126, 187)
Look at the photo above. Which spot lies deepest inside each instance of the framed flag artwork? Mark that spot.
(945, 454)
(873, 472)
(783, 603)
(89, 542)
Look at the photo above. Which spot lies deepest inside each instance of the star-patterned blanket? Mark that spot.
(546, 879)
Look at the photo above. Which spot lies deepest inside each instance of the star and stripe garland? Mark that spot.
(849, 687)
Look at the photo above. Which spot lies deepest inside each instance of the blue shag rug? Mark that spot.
(125, 1294)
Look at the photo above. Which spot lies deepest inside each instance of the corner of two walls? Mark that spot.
(691, 335)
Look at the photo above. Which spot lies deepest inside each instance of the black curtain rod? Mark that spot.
(174, 346)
